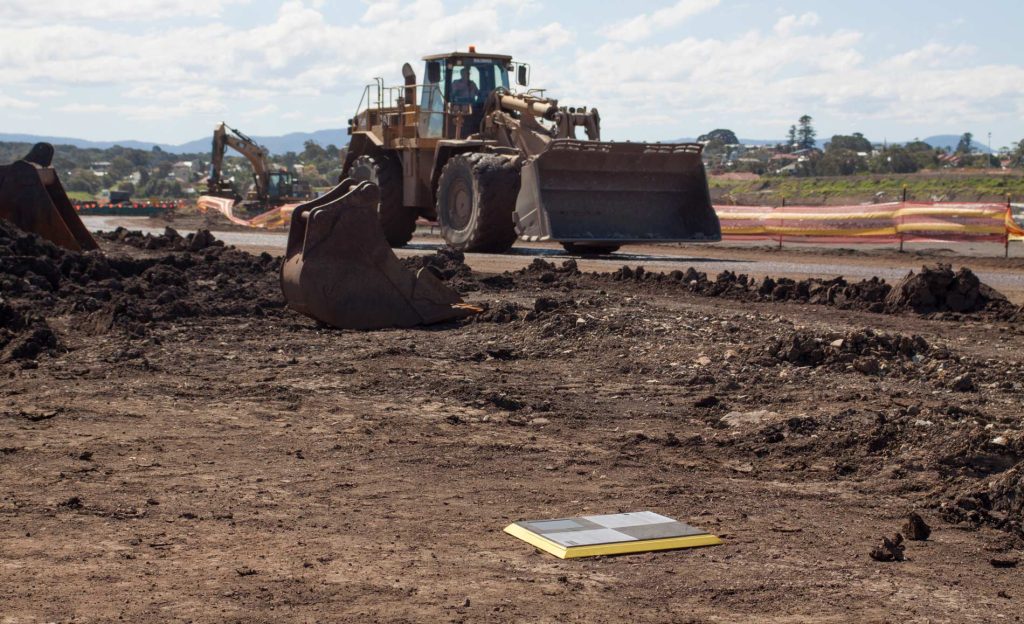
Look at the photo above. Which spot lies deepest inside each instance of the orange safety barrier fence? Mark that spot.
(278, 217)
(873, 223)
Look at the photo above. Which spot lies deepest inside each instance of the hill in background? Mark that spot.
(950, 141)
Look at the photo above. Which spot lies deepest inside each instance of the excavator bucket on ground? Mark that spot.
(600, 192)
(32, 198)
(340, 270)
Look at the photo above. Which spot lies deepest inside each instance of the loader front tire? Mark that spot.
(476, 196)
(398, 221)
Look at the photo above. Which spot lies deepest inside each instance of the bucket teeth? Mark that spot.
(340, 270)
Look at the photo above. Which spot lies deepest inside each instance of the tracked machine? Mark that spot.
(271, 189)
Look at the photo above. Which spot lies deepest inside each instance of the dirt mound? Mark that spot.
(23, 335)
(997, 501)
(447, 264)
(867, 294)
(200, 277)
(936, 291)
(170, 240)
(868, 351)
(940, 289)
(546, 272)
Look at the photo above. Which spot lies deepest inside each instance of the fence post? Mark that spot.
(781, 221)
(1009, 219)
(902, 204)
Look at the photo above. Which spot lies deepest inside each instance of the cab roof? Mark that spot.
(469, 55)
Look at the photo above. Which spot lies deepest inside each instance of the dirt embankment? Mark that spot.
(181, 277)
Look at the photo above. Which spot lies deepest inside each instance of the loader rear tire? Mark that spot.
(585, 249)
(398, 221)
(476, 196)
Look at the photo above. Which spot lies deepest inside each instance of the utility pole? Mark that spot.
(989, 150)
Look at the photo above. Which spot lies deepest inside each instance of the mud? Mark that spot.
(181, 447)
(198, 276)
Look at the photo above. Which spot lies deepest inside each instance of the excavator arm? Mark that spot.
(257, 155)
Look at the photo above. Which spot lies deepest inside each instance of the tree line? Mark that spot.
(154, 170)
(848, 154)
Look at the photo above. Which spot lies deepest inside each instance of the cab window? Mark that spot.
(473, 81)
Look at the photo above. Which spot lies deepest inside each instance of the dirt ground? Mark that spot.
(180, 447)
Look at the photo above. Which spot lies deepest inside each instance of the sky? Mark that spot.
(169, 70)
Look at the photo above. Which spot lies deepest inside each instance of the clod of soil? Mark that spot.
(916, 528)
(889, 549)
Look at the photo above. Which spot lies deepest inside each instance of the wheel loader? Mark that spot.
(490, 165)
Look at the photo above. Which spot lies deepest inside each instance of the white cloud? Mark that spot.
(210, 65)
(108, 10)
(312, 68)
(45, 93)
(262, 111)
(156, 111)
(646, 24)
(773, 77)
(379, 10)
(932, 55)
(789, 24)
(7, 101)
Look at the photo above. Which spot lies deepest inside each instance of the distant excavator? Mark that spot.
(270, 189)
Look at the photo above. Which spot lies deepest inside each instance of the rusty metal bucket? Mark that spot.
(594, 191)
(32, 198)
(340, 270)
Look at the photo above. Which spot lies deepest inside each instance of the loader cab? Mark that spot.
(460, 83)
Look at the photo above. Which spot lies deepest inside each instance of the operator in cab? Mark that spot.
(464, 90)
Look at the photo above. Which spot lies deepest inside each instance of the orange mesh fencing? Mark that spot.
(872, 223)
(278, 217)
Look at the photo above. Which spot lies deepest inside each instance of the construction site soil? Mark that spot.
(176, 445)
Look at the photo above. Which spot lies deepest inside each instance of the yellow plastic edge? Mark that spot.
(533, 539)
(619, 548)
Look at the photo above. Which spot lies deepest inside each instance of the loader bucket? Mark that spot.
(32, 198)
(340, 270)
(592, 191)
